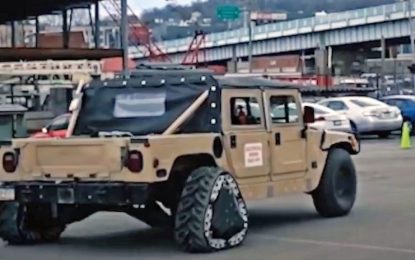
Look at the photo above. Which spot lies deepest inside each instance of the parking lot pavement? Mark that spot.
(380, 227)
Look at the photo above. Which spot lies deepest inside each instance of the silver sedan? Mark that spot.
(367, 115)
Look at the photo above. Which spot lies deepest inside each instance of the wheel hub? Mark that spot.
(227, 220)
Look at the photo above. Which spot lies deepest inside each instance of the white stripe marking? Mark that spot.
(345, 245)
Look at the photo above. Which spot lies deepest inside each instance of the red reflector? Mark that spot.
(134, 161)
(9, 162)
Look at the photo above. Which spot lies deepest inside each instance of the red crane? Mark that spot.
(196, 47)
(142, 35)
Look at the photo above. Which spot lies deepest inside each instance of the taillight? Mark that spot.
(321, 118)
(134, 161)
(9, 162)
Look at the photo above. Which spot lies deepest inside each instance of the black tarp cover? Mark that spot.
(148, 105)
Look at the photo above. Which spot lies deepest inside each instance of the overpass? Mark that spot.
(337, 29)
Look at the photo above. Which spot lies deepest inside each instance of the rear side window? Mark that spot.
(140, 105)
(337, 105)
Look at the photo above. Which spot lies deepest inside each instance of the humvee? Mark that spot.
(182, 150)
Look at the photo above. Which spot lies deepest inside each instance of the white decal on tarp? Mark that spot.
(253, 155)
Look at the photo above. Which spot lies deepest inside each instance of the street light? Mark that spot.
(412, 37)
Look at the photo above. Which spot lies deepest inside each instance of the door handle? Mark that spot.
(233, 141)
(277, 139)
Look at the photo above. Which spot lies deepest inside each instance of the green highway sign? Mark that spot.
(228, 12)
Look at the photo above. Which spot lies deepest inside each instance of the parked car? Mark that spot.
(55, 129)
(326, 118)
(367, 115)
(406, 104)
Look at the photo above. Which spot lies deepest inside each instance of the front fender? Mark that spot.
(330, 139)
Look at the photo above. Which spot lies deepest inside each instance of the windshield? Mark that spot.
(318, 109)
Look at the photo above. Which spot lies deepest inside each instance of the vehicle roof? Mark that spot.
(346, 98)
(252, 82)
(399, 97)
(177, 76)
(12, 108)
(319, 106)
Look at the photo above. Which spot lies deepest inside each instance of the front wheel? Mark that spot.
(336, 193)
(211, 215)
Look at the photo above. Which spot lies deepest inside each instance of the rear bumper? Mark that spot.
(376, 125)
(75, 193)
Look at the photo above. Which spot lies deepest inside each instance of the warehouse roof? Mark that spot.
(22, 9)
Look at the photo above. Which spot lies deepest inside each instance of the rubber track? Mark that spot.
(8, 228)
(10, 232)
(189, 223)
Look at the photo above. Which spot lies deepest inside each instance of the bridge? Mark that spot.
(359, 26)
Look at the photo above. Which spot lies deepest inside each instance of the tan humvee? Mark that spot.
(181, 149)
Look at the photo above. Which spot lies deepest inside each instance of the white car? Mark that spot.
(367, 115)
(329, 119)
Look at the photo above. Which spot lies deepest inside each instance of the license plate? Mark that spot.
(337, 123)
(7, 194)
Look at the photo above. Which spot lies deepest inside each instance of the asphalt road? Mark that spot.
(382, 225)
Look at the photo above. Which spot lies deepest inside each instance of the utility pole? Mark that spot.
(124, 36)
(412, 37)
(383, 53)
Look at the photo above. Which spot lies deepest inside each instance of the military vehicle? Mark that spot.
(177, 149)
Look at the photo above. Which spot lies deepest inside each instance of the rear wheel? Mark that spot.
(28, 224)
(336, 193)
(211, 214)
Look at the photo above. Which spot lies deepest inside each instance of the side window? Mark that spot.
(400, 103)
(284, 110)
(60, 123)
(245, 111)
(337, 105)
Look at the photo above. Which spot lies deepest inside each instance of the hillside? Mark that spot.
(207, 9)
(295, 9)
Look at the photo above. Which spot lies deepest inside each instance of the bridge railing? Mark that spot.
(324, 22)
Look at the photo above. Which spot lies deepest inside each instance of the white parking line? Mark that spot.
(335, 244)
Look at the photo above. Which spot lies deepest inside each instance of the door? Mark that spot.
(288, 143)
(246, 138)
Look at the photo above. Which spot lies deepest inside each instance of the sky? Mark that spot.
(140, 5)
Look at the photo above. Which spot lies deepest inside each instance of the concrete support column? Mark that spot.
(37, 32)
(97, 25)
(321, 60)
(232, 65)
(383, 57)
(65, 33)
(124, 36)
(13, 34)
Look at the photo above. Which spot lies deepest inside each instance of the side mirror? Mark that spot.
(309, 115)
(44, 130)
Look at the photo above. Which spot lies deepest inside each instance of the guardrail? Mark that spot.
(395, 11)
